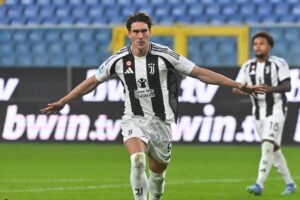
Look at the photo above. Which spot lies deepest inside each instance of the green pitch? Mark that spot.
(94, 171)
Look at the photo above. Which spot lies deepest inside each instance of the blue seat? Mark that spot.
(217, 20)
(230, 10)
(213, 9)
(83, 21)
(30, 11)
(178, 11)
(39, 48)
(77, 2)
(69, 35)
(63, 11)
(74, 60)
(5, 36)
(281, 9)
(107, 2)
(57, 60)
(146, 9)
(27, 2)
(166, 20)
(8, 60)
(126, 10)
(292, 34)
(226, 2)
(269, 19)
(264, 11)
(17, 21)
(287, 19)
(92, 2)
(20, 36)
(200, 20)
(72, 48)
(140, 2)
(195, 10)
(14, 11)
(60, 2)
(96, 11)
(176, 2)
(46, 11)
(227, 60)
(33, 21)
(247, 9)
(90, 60)
(36, 36)
(49, 21)
(43, 2)
(12, 2)
(99, 20)
(79, 11)
(234, 19)
(52, 35)
(103, 36)
(6, 48)
(157, 3)
(162, 12)
(125, 2)
(22, 48)
(40, 60)
(85, 35)
(252, 19)
(66, 21)
(89, 47)
(296, 10)
(55, 48)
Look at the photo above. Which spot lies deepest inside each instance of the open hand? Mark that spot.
(53, 107)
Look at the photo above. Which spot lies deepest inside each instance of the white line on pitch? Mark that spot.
(93, 187)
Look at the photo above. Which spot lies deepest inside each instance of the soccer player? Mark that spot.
(147, 72)
(269, 109)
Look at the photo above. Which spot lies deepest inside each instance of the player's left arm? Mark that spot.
(283, 86)
(210, 77)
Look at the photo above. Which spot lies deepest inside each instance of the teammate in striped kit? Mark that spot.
(148, 74)
(269, 109)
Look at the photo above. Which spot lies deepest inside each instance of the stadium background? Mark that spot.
(49, 46)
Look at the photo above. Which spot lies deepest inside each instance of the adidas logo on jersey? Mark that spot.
(129, 71)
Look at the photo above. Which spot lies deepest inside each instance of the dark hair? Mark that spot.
(265, 35)
(138, 17)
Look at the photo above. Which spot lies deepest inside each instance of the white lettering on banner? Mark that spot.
(64, 127)
(111, 90)
(211, 128)
(294, 94)
(195, 91)
(6, 90)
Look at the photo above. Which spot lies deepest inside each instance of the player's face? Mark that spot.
(139, 35)
(261, 47)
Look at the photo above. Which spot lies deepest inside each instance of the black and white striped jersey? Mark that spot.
(150, 82)
(271, 72)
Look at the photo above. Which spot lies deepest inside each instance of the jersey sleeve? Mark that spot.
(242, 75)
(181, 63)
(283, 71)
(103, 72)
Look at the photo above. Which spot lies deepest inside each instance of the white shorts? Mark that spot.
(271, 128)
(153, 131)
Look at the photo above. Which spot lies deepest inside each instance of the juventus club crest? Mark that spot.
(267, 69)
(152, 68)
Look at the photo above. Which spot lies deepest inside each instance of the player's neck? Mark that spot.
(262, 59)
(140, 52)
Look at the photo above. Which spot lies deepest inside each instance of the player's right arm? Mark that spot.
(83, 88)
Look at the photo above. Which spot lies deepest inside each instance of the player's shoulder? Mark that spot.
(118, 55)
(248, 62)
(163, 51)
(278, 60)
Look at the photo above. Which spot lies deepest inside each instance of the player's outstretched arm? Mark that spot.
(83, 88)
(210, 77)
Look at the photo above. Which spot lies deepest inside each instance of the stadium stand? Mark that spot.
(21, 46)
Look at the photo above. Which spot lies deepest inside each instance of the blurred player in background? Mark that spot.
(147, 72)
(269, 109)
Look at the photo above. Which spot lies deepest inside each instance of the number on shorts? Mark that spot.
(274, 126)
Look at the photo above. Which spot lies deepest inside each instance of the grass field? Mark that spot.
(94, 171)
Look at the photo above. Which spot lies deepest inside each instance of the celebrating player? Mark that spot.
(147, 72)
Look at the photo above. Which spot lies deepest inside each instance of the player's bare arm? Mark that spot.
(210, 77)
(83, 88)
(284, 86)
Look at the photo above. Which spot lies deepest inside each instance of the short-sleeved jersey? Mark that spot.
(150, 82)
(271, 72)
